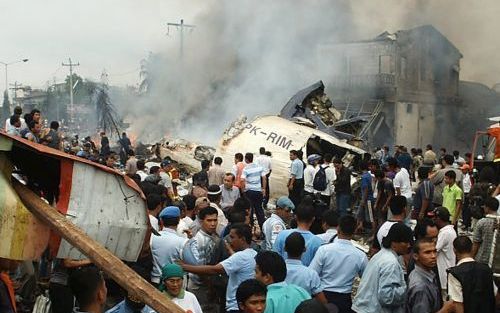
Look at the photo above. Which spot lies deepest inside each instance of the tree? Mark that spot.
(107, 118)
(5, 106)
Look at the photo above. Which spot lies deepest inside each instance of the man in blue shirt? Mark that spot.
(365, 212)
(296, 181)
(251, 178)
(276, 223)
(240, 266)
(305, 217)
(167, 247)
(281, 297)
(298, 274)
(383, 287)
(338, 263)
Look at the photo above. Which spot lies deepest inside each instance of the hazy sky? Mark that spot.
(112, 35)
(115, 35)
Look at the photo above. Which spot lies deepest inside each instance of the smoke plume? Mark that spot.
(248, 57)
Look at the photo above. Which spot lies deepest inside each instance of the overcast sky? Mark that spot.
(116, 34)
(112, 35)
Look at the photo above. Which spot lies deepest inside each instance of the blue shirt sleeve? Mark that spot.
(317, 262)
(311, 247)
(294, 169)
(232, 264)
(279, 243)
(392, 287)
(363, 265)
(315, 283)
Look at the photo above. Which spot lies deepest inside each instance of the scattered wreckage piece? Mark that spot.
(99, 255)
(184, 152)
(278, 136)
(103, 202)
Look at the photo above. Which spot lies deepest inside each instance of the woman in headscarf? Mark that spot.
(172, 278)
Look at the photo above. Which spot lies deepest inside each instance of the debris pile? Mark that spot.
(313, 108)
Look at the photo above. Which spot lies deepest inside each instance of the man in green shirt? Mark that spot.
(281, 297)
(452, 196)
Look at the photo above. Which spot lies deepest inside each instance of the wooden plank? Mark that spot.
(105, 260)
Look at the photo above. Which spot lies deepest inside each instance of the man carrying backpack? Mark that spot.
(324, 179)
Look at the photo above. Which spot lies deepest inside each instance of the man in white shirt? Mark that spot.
(277, 221)
(264, 160)
(188, 217)
(141, 169)
(326, 194)
(445, 254)
(470, 283)
(467, 185)
(401, 182)
(18, 111)
(154, 206)
(309, 172)
(330, 220)
(397, 207)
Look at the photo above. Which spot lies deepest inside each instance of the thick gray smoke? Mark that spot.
(243, 57)
(249, 57)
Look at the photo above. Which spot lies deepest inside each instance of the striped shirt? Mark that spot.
(252, 174)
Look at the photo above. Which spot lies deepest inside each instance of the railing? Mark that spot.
(360, 81)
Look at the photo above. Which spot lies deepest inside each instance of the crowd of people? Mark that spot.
(223, 248)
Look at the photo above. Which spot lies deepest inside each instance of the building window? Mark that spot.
(385, 64)
(409, 108)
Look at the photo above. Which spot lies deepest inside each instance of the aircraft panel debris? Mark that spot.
(278, 136)
(102, 201)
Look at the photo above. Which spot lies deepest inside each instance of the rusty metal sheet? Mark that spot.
(108, 210)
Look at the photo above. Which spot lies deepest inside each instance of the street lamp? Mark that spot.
(6, 75)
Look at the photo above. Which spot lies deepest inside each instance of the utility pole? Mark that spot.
(16, 86)
(71, 65)
(181, 27)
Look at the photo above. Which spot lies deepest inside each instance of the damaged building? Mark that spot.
(406, 82)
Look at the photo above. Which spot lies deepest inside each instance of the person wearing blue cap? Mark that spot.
(167, 247)
(277, 221)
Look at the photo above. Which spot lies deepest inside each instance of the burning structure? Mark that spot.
(406, 81)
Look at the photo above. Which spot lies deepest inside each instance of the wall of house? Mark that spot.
(414, 123)
(363, 68)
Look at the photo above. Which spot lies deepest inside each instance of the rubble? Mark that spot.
(313, 108)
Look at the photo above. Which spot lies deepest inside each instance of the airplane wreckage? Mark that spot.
(308, 122)
(100, 214)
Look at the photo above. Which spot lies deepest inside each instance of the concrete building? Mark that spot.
(408, 79)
